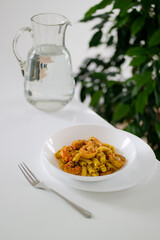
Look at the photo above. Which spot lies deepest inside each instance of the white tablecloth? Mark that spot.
(28, 213)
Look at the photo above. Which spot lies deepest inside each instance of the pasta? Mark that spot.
(84, 171)
(89, 158)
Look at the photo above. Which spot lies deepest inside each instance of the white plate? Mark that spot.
(141, 169)
(122, 143)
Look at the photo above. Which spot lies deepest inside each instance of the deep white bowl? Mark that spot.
(122, 143)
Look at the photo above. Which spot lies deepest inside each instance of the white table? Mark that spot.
(28, 213)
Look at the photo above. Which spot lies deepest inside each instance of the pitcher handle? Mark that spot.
(15, 40)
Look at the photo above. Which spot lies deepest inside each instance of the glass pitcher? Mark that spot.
(48, 78)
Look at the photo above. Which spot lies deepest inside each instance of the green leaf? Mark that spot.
(104, 17)
(136, 51)
(141, 102)
(100, 5)
(123, 5)
(96, 97)
(137, 25)
(133, 128)
(120, 22)
(99, 75)
(95, 41)
(157, 127)
(90, 11)
(137, 61)
(110, 41)
(138, 77)
(153, 50)
(121, 111)
(150, 86)
(90, 89)
(155, 38)
(157, 98)
(99, 25)
(135, 91)
(83, 94)
(110, 83)
(141, 79)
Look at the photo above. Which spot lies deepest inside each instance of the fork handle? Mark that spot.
(83, 211)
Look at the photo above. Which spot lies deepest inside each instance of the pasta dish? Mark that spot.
(89, 158)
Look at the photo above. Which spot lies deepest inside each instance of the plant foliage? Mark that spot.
(132, 28)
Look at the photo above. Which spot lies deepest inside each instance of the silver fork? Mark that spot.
(33, 180)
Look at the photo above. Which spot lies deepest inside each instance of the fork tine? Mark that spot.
(24, 174)
(27, 172)
(30, 172)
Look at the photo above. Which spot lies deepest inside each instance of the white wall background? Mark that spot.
(17, 13)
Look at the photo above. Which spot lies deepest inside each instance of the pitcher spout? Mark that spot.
(49, 29)
(68, 23)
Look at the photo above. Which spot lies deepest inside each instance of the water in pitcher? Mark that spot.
(49, 84)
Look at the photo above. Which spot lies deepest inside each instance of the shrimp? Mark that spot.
(72, 169)
(117, 160)
(78, 144)
(88, 151)
(68, 153)
(95, 142)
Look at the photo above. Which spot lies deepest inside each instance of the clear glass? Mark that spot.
(49, 83)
